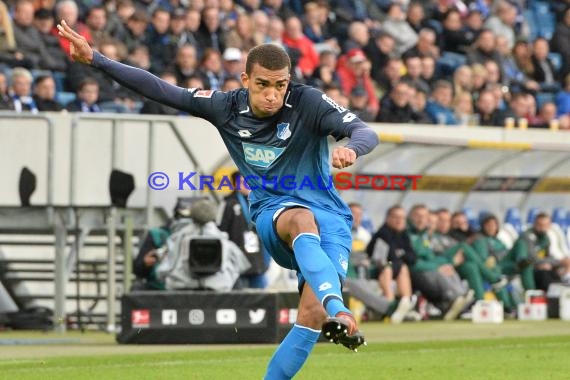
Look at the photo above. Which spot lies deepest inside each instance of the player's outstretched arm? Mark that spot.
(133, 78)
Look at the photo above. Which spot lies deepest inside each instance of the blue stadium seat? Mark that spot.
(59, 78)
(483, 214)
(531, 21)
(471, 217)
(531, 215)
(545, 19)
(64, 98)
(559, 217)
(544, 97)
(513, 217)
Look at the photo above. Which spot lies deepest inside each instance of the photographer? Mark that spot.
(153, 249)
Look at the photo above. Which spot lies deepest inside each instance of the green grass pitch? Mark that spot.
(431, 350)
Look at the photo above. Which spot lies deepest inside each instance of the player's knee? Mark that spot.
(312, 316)
(302, 221)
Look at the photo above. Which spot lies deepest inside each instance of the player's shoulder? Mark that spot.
(229, 102)
(302, 95)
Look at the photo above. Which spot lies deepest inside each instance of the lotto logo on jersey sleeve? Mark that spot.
(260, 155)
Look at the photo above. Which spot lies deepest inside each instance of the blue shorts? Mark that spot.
(334, 230)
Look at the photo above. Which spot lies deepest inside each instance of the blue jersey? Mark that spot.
(284, 157)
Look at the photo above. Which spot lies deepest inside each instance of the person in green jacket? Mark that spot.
(467, 263)
(434, 276)
(530, 257)
(490, 250)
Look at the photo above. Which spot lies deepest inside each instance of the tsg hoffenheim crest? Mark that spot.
(283, 131)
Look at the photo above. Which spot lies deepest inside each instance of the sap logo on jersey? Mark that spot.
(261, 155)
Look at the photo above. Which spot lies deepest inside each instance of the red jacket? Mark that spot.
(348, 81)
(309, 59)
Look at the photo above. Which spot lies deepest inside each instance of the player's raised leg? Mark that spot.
(297, 227)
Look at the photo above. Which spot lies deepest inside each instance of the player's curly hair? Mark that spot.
(269, 56)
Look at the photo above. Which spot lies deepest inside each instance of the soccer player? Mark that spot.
(276, 133)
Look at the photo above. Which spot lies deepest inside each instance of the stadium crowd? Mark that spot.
(445, 62)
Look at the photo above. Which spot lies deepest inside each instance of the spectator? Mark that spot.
(260, 26)
(210, 33)
(44, 23)
(295, 39)
(231, 83)
(178, 27)
(425, 45)
(358, 104)
(6, 102)
(530, 257)
(487, 111)
(544, 72)
(44, 94)
(21, 89)
(67, 10)
(379, 50)
(150, 107)
(396, 107)
(234, 219)
(242, 36)
(418, 103)
(354, 70)
(28, 39)
(413, 75)
(439, 106)
(96, 22)
(275, 31)
(396, 26)
(415, 16)
(192, 20)
(433, 275)
(516, 65)
(118, 13)
(559, 42)
(277, 8)
(358, 36)
(186, 63)
(479, 79)
(503, 23)
(463, 257)
(315, 25)
(473, 23)
(335, 93)
(462, 80)
(428, 70)
(139, 57)
(211, 69)
(390, 75)
(86, 97)
(391, 252)
(463, 105)
(326, 73)
(359, 267)
(491, 251)
(135, 32)
(484, 49)
(455, 39)
(546, 114)
(233, 63)
(161, 46)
